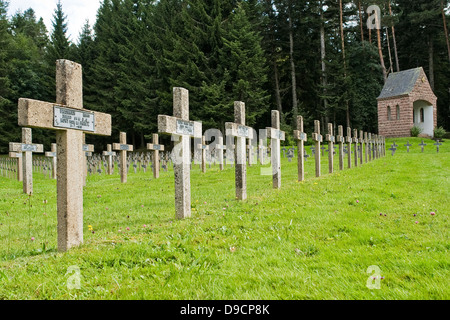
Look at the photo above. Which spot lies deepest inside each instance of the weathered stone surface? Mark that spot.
(275, 135)
(123, 147)
(301, 138)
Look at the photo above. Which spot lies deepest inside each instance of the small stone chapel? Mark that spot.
(407, 100)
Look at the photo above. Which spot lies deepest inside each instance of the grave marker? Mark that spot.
(109, 154)
(407, 145)
(156, 148)
(242, 133)
(330, 138)
(349, 147)
(340, 139)
(181, 130)
(26, 148)
(317, 138)
(52, 154)
(123, 149)
(70, 121)
(355, 141)
(393, 149)
(366, 143)
(19, 169)
(361, 146)
(275, 135)
(437, 144)
(301, 138)
(422, 145)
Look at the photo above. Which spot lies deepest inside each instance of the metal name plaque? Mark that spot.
(242, 131)
(185, 127)
(73, 119)
(29, 147)
(124, 147)
(156, 147)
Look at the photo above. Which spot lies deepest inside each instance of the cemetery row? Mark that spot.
(71, 122)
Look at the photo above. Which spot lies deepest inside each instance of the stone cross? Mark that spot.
(330, 138)
(203, 147)
(109, 154)
(437, 144)
(123, 149)
(393, 148)
(361, 146)
(317, 138)
(18, 156)
(156, 148)
(301, 138)
(239, 130)
(407, 145)
(422, 145)
(340, 140)
(355, 141)
(88, 149)
(262, 146)
(366, 144)
(349, 147)
(181, 130)
(70, 121)
(275, 135)
(220, 147)
(26, 148)
(52, 154)
(375, 146)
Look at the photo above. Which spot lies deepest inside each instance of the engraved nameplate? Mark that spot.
(185, 127)
(28, 147)
(73, 119)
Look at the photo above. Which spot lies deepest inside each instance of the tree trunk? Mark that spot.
(341, 20)
(431, 60)
(291, 57)
(322, 58)
(445, 30)
(380, 51)
(277, 87)
(391, 65)
(361, 22)
(397, 64)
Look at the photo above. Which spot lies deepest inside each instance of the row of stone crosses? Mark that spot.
(71, 122)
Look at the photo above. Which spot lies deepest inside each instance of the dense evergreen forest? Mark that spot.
(316, 58)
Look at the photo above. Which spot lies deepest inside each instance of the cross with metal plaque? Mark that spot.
(68, 118)
(26, 148)
(181, 130)
(437, 144)
(407, 145)
(330, 138)
(241, 132)
(422, 145)
(123, 149)
(109, 154)
(317, 138)
(275, 135)
(349, 147)
(301, 138)
(340, 140)
(52, 154)
(393, 149)
(156, 148)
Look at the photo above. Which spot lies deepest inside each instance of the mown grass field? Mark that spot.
(309, 240)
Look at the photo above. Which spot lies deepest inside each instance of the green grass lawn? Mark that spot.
(309, 240)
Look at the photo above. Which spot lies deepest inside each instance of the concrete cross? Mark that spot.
(317, 138)
(70, 121)
(203, 147)
(349, 147)
(52, 154)
(355, 141)
(26, 148)
(275, 135)
(437, 144)
(361, 146)
(220, 147)
(239, 130)
(181, 130)
(18, 156)
(330, 138)
(366, 143)
(407, 145)
(340, 140)
(369, 142)
(422, 145)
(109, 154)
(156, 148)
(123, 149)
(393, 148)
(301, 138)
(262, 146)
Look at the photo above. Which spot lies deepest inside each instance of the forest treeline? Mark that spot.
(317, 59)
